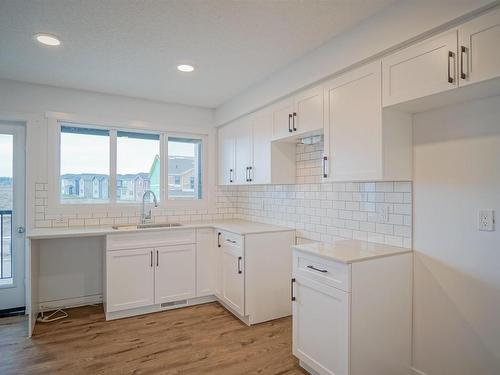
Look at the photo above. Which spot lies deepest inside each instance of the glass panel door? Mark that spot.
(12, 197)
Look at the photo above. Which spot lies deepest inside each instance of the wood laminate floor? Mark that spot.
(203, 339)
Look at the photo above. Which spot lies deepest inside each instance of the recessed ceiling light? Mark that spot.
(47, 39)
(185, 68)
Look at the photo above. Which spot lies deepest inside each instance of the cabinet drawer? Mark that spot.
(322, 270)
(136, 240)
(231, 239)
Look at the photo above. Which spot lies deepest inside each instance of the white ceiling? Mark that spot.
(131, 48)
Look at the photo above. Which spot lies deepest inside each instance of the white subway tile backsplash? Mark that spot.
(319, 211)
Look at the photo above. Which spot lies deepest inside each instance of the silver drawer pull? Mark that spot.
(228, 240)
(317, 269)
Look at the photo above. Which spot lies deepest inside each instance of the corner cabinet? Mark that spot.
(352, 319)
(247, 154)
(363, 142)
(252, 274)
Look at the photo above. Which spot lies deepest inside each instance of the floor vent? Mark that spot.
(175, 303)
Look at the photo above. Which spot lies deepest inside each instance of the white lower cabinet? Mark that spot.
(130, 279)
(175, 277)
(233, 278)
(152, 271)
(321, 326)
(352, 319)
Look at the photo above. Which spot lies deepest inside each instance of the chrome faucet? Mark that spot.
(146, 217)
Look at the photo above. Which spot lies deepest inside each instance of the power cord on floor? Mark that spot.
(50, 318)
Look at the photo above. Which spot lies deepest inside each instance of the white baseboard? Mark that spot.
(414, 371)
(69, 302)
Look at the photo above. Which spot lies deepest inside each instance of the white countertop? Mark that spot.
(237, 226)
(350, 251)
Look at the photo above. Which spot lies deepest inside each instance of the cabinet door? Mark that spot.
(354, 125)
(282, 119)
(205, 262)
(261, 148)
(479, 52)
(308, 111)
(422, 69)
(129, 279)
(233, 279)
(226, 155)
(218, 265)
(243, 137)
(321, 326)
(175, 273)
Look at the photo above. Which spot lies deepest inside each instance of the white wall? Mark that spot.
(402, 21)
(70, 270)
(457, 268)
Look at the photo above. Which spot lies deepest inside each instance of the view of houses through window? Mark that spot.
(85, 166)
(184, 168)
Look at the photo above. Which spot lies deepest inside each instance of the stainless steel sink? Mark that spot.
(145, 226)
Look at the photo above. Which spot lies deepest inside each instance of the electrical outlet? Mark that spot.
(486, 220)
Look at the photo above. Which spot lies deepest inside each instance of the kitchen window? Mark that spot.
(137, 165)
(99, 167)
(84, 165)
(185, 160)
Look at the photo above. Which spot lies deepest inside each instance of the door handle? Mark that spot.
(239, 265)
(21, 230)
(450, 56)
(293, 121)
(317, 269)
(292, 296)
(290, 123)
(218, 239)
(463, 51)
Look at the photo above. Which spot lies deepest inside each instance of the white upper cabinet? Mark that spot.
(227, 156)
(298, 115)
(361, 141)
(478, 48)
(243, 137)
(422, 69)
(247, 154)
(282, 119)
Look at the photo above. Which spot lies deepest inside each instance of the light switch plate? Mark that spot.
(486, 220)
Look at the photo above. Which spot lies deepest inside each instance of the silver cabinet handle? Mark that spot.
(324, 161)
(151, 258)
(250, 174)
(289, 123)
(292, 296)
(231, 175)
(231, 241)
(293, 121)
(157, 258)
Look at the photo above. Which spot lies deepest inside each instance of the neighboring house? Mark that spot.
(181, 176)
(85, 186)
(131, 187)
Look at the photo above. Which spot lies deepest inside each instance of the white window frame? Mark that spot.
(56, 207)
(187, 203)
